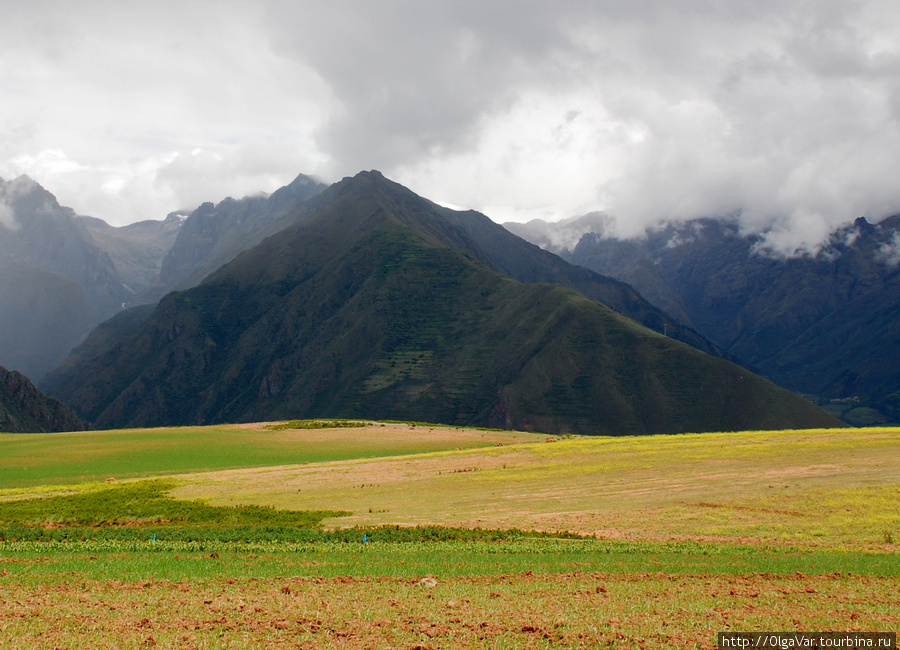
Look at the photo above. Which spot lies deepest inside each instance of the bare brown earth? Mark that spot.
(572, 610)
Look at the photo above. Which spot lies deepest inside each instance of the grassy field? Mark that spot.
(684, 537)
(825, 486)
(55, 458)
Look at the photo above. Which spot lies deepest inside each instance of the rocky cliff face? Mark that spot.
(138, 249)
(25, 409)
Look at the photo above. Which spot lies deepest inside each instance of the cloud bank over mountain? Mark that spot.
(785, 112)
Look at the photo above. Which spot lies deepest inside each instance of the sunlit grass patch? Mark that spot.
(141, 503)
(864, 514)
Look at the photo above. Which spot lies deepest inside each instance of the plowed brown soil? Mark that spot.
(562, 610)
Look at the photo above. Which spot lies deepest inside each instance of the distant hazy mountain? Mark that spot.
(43, 316)
(44, 235)
(24, 409)
(214, 234)
(55, 282)
(559, 236)
(825, 325)
(61, 274)
(138, 249)
(376, 303)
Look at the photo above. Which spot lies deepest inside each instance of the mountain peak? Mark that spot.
(371, 173)
(24, 186)
(365, 183)
(23, 183)
(370, 177)
(863, 226)
(302, 180)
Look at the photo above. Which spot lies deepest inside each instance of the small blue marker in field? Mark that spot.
(365, 538)
(154, 537)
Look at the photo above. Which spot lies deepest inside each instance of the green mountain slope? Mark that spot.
(375, 305)
(526, 262)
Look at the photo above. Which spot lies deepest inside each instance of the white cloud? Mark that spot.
(890, 251)
(127, 91)
(533, 159)
(786, 113)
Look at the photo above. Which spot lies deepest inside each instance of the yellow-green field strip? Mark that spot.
(825, 486)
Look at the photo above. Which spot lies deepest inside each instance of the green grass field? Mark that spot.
(254, 537)
(51, 459)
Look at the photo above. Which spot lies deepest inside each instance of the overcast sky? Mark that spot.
(785, 110)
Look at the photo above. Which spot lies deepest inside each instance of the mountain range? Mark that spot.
(823, 323)
(214, 234)
(374, 302)
(62, 274)
(137, 250)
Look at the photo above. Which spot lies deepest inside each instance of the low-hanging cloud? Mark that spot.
(781, 113)
(415, 79)
(796, 135)
(10, 191)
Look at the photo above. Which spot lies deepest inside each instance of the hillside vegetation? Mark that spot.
(375, 305)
